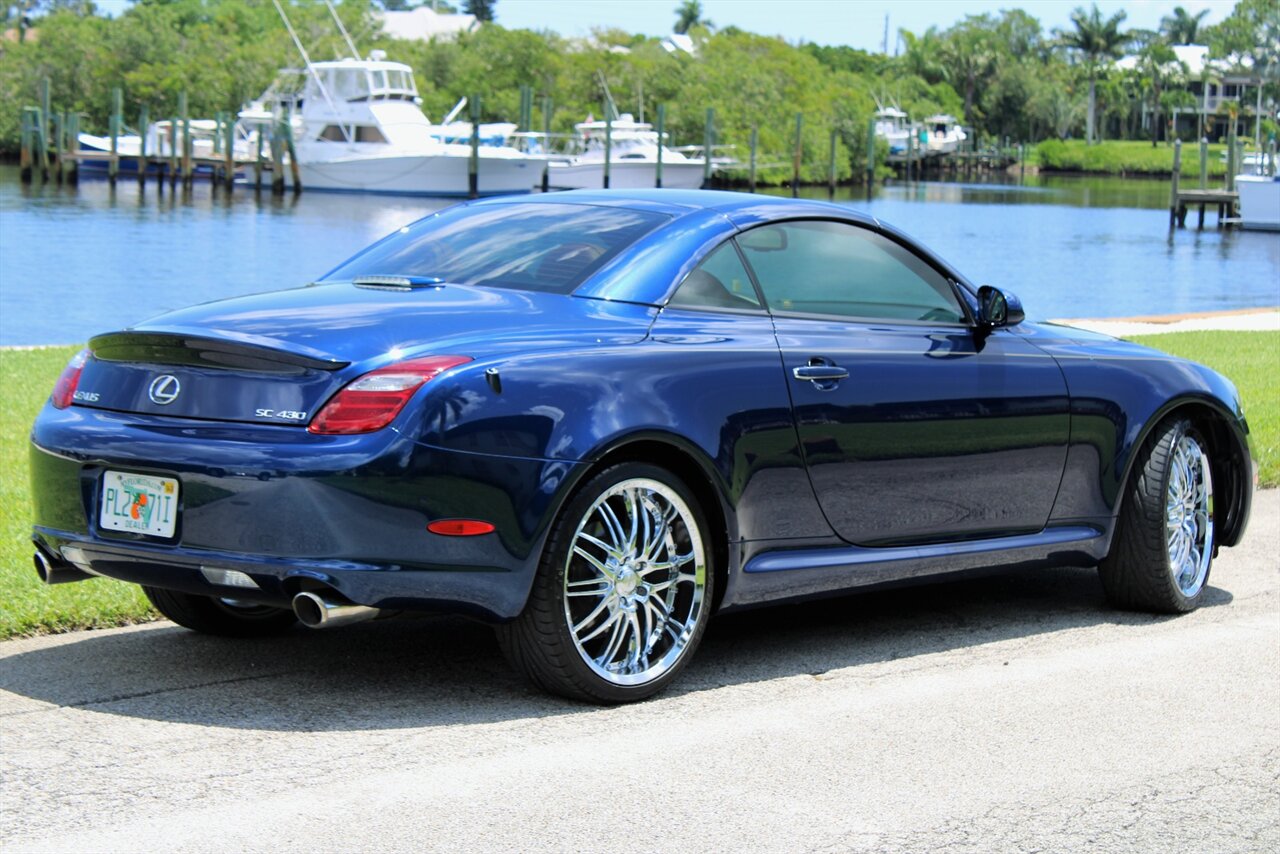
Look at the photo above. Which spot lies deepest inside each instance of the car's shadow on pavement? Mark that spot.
(421, 672)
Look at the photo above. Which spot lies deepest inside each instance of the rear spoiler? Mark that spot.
(171, 348)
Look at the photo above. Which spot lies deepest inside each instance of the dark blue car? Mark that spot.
(595, 419)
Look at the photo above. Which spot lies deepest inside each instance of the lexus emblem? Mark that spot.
(164, 389)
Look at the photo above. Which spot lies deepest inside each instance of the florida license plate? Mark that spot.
(139, 503)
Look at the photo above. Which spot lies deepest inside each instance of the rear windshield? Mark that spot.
(534, 247)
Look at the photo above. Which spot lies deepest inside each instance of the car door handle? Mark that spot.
(820, 373)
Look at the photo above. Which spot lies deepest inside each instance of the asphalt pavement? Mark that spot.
(1009, 713)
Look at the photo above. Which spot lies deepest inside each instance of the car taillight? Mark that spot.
(375, 399)
(64, 390)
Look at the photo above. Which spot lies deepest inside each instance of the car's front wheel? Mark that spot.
(213, 616)
(623, 590)
(1163, 546)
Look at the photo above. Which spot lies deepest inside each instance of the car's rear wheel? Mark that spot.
(623, 590)
(1164, 540)
(214, 616)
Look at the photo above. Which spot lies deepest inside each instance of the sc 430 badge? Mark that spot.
(288, 414)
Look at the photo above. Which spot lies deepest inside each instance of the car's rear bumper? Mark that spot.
(290, 510)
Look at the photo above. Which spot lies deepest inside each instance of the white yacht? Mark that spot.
(633, 159)
(358, 127)
(945, 134)
(893, 127)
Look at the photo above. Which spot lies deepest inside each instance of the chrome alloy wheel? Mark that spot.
(635, 582)
(1189, 516)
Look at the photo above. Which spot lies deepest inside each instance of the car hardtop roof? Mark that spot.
(677, 203)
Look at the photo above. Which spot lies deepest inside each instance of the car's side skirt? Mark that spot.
(781, 574)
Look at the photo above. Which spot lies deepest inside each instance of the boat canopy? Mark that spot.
(350, 80)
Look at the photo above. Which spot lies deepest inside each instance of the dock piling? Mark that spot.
(277, 157)
(44, 127)
(186, 138)
(657, 169)
(473, 163)
(173, 150)
(1177, 174)
(1204, 174)
(24, 151)
(229, 152)
(144, 119)
(294, 169)
(59, 150)
(72, 174)
(257, 161)
(116, 125)
(870, 167)
(608, 144)
(1232, 153)
(546, 140)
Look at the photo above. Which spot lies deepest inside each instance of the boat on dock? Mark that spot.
(1259, 201)
(945, 135)
(632, 151)
(358, 127)
(893, 126)
(162, 138)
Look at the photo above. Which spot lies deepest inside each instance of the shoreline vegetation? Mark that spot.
(1009, 79)
(27, 375)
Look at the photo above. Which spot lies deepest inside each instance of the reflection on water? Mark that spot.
(74, 262)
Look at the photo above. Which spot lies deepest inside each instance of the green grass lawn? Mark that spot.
(1126, 157)
(27, 607)
(1250, 360)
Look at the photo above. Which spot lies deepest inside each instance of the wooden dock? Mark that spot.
(1226, 198)
(1227, 201)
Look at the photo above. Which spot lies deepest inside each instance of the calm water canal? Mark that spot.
(74, 262)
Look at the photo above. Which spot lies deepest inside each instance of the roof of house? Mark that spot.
(424, 24)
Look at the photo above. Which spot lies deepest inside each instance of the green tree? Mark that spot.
(1160, 69)
(689, 15)
(1098, 42)
(1181, 27)
(484, 10)
(1251, 33)
(971, 55)
(922, 55)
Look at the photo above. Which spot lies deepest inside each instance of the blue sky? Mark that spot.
(859, 23)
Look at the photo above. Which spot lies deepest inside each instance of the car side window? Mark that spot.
(833, 268)
(720, 281)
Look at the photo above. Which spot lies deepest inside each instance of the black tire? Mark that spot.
(212, 616)
(1137, 573)
(540, 642)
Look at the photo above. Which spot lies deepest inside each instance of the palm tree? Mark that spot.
(922, 54)
(689, 15)
(1182, 27)
(970, 59)
(1097, 41)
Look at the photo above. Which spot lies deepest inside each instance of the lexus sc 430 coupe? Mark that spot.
(595, 419)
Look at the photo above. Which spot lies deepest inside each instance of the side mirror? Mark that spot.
(997, 308)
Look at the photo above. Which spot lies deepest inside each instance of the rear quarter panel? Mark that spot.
(1119, 393)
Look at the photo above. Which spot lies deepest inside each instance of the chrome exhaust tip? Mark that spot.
(52, 571)
(318, 611)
